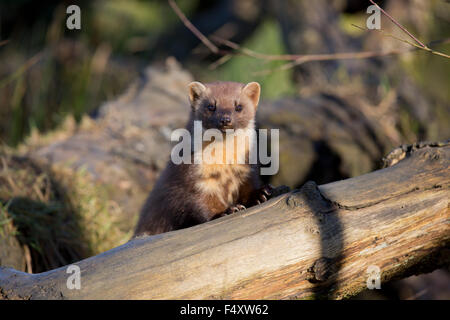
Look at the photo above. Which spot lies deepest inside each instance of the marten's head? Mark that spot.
(224, 105)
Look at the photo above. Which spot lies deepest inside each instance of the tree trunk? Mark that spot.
(313, 242)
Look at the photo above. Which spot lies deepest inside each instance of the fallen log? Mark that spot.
(314, 242)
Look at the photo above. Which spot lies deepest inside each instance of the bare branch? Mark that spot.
(399, 25)
(193, 29)
(332, 57)
(254, 54)
(296, 59)
(426, 48)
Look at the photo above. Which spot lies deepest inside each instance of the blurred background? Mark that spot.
(60, 89)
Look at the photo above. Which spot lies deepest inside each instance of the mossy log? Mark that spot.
(314, 242)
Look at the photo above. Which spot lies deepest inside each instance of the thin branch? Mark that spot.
(399, 25)
(425, 48)
(254, 54)
(420, 46)
(295, 59)
(298, 59)
(220, 61)
(193, 29)
(357, 55)
(331, 57)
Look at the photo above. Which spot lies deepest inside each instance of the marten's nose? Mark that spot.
(225, 120)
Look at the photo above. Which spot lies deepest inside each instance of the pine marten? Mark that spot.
(189, 194)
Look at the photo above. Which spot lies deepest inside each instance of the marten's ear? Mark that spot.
(196, 89)
(252, 90)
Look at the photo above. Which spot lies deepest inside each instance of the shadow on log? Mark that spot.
(313, 242)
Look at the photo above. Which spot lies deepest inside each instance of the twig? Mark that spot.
(254, 54)
(425, 48)
(193, 29)
(420, 46)
(220, 61)
(399, 25)
(298, 59)
(356, 55)
(331, 57)
(295, 59)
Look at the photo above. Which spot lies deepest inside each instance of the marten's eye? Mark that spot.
(238, 108)
(211, 107)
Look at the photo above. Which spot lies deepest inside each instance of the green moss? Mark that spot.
(100, 218)
(61, 216)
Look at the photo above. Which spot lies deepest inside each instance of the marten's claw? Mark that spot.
(265, 193)
(241, 207)
(236, 208)
(267, 190)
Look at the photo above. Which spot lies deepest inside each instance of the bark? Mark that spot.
(313, 242)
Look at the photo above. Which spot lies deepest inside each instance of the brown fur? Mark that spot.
(189, 194)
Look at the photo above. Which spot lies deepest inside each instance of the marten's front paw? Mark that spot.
(264, 194)
(235, 208)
